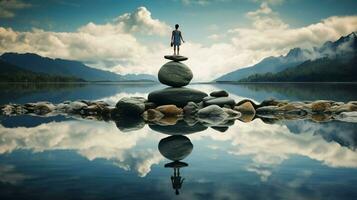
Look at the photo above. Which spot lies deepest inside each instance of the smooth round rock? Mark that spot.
(175, 147)
(170, 110)
(246, 108)
(175, 74)
(175, 58)
(177, 96)
(131, 106)
(219, 93)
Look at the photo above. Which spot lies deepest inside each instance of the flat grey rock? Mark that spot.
(175, 58)
(175, 74)
(177, 96)
(212, 114)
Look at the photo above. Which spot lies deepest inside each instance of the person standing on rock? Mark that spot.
(176, 38)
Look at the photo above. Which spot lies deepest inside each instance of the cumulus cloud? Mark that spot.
(141, 21)
(9, 7)
(264, 18)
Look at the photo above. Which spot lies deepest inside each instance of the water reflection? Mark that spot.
(176, 148)
(264, 148)
(253, 159)
(294, 91)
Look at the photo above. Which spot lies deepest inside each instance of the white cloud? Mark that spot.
(141, 21)
(214, 36)
(264, 18)
(9, 7)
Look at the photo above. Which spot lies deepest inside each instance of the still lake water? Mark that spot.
(62, 157)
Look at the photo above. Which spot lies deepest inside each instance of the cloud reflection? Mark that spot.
(8, 174)
(92, 140)
(267, 145)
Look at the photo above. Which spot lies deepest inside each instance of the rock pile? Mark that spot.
(132, 113)
(176, 75)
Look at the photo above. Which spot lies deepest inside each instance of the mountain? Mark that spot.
(344, 47)
(337, 63)
(12, 73)
(269, 64)
(139, 77)
(60, 67)
(320, 70)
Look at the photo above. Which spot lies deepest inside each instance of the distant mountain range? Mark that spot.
(299, 65)
(12, 73)
(74, 70)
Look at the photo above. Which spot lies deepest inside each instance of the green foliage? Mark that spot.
(320, 70)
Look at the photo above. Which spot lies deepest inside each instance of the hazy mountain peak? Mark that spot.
(294, 52)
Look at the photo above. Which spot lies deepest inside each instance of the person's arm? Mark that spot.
(181, 37)
(172, 37)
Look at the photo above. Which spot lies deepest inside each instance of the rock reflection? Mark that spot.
(179, 128)
(176, 148)
(128, 124)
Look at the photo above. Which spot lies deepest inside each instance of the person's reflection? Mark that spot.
(176, 180)
(176, 148)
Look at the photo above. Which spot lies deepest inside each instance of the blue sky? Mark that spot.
(65, 15)
(208, 26)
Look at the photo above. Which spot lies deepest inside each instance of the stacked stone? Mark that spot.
(176, 75)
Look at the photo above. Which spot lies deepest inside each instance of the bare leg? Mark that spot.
(178, 50)
(174, 49)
